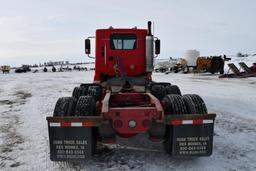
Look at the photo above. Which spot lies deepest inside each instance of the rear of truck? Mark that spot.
(124, 101)
(182, 132)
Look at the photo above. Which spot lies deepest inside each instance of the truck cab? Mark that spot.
(123, 52)
(119, 52)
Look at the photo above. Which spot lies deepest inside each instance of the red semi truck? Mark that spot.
(124, 101)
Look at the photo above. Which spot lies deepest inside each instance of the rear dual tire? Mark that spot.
(173, 89)
(65, 106)
(194, 104)
(160, 90)
(177, 105)
(85, 106)
(95, 91)
(79, 91)
(69, 106)
(172, 104)
(87, 89)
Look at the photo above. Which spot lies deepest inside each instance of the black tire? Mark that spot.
(85, 87)
(95, 91)
(158, 91)
(76, 92)
(79, 91)
(65, 106)
(185, 70)
(165, 84)
(162, 70)
(151, 84)
(86, 106)
(173, 89)
(172, 104)
(190, 105)
(194, 104)
(53, 69)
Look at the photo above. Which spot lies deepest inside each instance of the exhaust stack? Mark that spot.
(149, 49)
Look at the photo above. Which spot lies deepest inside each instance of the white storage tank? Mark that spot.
(191, 56)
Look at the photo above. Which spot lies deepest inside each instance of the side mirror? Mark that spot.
(157, 46)
(87, 46)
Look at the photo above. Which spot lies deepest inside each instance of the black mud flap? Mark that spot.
(72, 139)
(71, 143)
(191, 135)
(192, 140)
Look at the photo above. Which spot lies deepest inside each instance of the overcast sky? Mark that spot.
(33, 31)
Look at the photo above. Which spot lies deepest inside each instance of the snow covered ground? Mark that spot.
(26, 100)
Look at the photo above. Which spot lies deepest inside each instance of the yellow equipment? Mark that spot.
(5, 69)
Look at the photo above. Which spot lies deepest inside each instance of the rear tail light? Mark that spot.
(118, 124)
(146, 123)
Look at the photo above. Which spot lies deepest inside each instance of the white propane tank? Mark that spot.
(191, 57)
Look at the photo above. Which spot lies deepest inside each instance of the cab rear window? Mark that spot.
(123, 41)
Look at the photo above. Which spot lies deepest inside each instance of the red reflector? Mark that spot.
(154, 139)
(176, 122)
(88, 124)
(110, 141)
(198, 121)
(65, 124)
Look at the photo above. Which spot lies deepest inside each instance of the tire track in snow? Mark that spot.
(9, 135)
(234, 141)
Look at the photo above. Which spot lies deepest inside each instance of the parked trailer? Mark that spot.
(248, 71)
(124, 101)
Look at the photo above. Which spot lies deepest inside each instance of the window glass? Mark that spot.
(123, 42)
